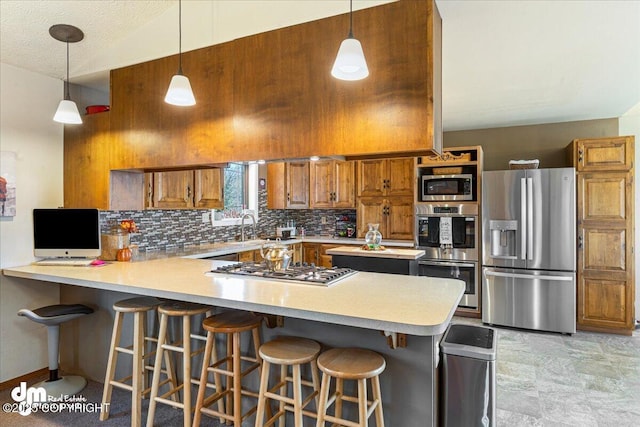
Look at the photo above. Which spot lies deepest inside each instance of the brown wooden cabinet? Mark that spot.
(393, 214)
(332, 184)
(311, 253)
(603, 154)
(187, 189)
(605, 234)
(386, 177)
(288, 185)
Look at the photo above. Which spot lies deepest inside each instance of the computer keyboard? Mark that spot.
(70, 262)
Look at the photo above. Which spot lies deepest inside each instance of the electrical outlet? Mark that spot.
(206, 217)
(323, 220)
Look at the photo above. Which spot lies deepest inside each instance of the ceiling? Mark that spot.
(505, 63)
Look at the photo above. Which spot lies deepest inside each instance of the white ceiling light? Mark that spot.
(179, 92)
(350, 63)
(67, 111)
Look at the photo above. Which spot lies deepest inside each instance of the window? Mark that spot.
(235, 190)
(240, 194)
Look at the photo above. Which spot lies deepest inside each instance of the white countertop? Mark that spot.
(393, 253)
(414, 305)
(225, 248)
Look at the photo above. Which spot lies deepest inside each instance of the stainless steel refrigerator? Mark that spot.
(529, 249)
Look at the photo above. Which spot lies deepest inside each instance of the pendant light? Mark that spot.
(350, 63)
(180, 92)
(67, 109)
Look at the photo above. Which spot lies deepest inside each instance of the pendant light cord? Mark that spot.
(351, 19)
(180, 37)
(66, 83)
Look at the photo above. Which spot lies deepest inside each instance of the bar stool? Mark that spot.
(231, 323)
(288, 351)
(185, 310)
(139, 307)
(52, 316)
(350, 364)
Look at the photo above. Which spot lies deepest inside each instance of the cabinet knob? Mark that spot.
(580, 155)
(580, 242)
(188, 192)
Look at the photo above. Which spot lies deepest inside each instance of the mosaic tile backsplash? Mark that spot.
(172, 229)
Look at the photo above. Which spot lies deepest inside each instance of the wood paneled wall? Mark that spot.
(271, 96)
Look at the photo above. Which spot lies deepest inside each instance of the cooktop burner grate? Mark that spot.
(303, 273)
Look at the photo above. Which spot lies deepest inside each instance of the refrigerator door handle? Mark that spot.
(528, 276)
(523, 218)
(530, 219)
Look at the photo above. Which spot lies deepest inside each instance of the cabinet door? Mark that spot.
(370, 210)
(297, 253)
(276, 183)
(605, 154)
(605, 303)
(371, 178)
(399, 218)
(604, 196)
(209, 188)
(173, 190)
(321, 184)
(297, 185)
(246, 256)
(400, 177)
(311, 253)
(344, 186)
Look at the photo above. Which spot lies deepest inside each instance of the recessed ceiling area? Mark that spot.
(505, 63)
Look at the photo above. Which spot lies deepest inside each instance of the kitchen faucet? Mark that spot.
(253, 219)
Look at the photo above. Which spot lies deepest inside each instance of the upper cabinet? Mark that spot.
(332, 184)
(202, 188)
(603, 154)
(386, 177)
(288, 185)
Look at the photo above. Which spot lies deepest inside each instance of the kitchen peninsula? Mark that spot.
(351, 312)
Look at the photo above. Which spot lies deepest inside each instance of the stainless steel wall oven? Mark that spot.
(448, 233)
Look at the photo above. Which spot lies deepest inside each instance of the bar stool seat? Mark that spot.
(350, 364)
(187, 311)
(52, 316)
(136, 383)
(232, 323)
(294, 352)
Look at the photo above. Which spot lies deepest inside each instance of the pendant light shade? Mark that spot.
(350, 63)
(179, 92)
(67, 113)
(67, 109)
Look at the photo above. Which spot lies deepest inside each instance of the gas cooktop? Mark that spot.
(300, 273)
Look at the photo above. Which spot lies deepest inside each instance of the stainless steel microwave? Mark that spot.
(446, 187)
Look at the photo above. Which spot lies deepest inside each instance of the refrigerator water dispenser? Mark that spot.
(503, 239)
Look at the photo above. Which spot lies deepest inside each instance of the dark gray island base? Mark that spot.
(377, 265)
(389, 260)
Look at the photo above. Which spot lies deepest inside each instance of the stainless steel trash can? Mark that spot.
(468, 386)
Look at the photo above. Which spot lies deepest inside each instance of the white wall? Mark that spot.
(27, 106)
(629, 124)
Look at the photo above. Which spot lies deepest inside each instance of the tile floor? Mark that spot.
(547, 379)
(543, 379)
